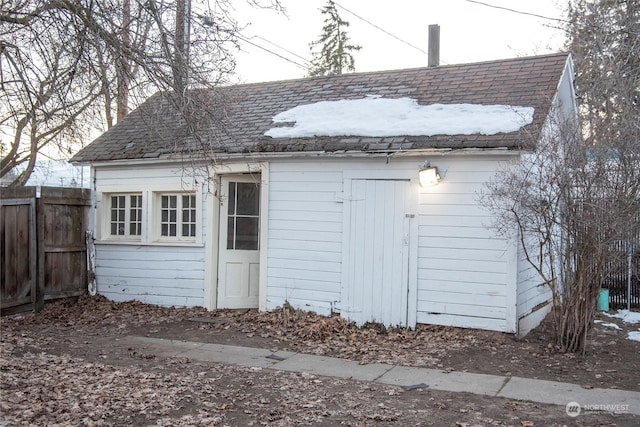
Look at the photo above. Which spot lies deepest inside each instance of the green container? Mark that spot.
(603, 300)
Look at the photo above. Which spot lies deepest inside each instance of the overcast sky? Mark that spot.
(469, 32)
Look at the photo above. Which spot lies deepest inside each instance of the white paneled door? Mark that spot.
(376, 286)
(239, 244)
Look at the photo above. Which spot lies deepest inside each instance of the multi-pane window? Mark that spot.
(243, 216)
(178, 215)
(135, 215)
(126, 215)
(189, 216)
(150, 217)
(169, 215)
(118, 215)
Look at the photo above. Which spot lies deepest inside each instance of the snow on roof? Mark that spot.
(379, 117)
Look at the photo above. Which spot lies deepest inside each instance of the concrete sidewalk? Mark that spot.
(541, 391)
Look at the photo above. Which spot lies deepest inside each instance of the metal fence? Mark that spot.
(623, 281)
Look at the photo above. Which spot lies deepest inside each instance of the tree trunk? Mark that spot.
(122, 70)
(180, 60)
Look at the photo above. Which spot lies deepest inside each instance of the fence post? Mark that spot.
(38, 303)
(629, 274)
(33, 249)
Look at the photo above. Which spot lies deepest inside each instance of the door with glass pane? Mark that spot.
(239, 247)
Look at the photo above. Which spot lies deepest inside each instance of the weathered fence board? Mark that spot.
(42, 242)
(63, 249)
(18, 249)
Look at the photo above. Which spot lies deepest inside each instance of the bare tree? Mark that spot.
(575, 197)
(65, 65)
(568, 206)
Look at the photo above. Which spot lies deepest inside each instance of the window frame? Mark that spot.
(108, 222)
(233, 217)
(151, 215)
(157, 222)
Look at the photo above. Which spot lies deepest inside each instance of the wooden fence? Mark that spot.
(43, 253)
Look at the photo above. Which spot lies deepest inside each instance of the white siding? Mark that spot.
(566, 96)
(142, 175)
(305, 236)
(533, 296)
(463, 273)
(463, 267)
(151, 273)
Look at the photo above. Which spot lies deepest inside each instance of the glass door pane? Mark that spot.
(243, 216)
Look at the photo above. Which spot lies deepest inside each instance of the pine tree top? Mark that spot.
(335, 53)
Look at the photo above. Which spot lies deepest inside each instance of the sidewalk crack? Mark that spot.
(375, 380)
(504, 384)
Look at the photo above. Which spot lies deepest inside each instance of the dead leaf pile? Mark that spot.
(334, 336)
(299, 330)
(97, 311)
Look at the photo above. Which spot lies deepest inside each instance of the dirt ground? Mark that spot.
(66, 366)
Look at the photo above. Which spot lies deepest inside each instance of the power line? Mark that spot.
(379, 28)
(517, 11)
(282, 48)
(246, 40)
(564, 21)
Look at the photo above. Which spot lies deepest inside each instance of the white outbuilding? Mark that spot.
(313, 195)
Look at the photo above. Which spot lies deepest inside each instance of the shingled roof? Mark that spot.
(241, 114)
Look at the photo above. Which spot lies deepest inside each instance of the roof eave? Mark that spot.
(280, 155)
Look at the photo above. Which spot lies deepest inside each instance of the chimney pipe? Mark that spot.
(434, 46)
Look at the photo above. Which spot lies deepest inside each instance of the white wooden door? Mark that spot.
(378, 259)
(239, 244)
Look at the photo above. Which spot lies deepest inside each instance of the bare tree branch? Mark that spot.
(66, 65)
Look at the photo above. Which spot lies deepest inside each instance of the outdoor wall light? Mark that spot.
(429, 175)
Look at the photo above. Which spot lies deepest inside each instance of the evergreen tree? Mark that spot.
(335, 54)
(604, 37)
(575, 201)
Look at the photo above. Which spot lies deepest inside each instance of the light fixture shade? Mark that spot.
(429, 176)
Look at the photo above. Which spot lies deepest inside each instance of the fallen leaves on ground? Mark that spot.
(61, 367)
(335, 336)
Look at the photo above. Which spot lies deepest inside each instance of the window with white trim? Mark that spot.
(147, 216)
(177, 219)
(125, 216)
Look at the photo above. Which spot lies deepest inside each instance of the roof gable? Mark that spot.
(237, 118)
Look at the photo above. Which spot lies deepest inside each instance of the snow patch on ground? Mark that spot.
(634, 336)
(608, 325)
(375, 116)
(627, 316)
